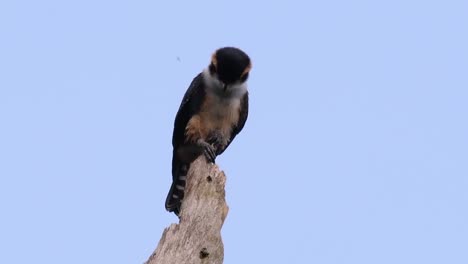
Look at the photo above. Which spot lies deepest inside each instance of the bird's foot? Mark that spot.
(208, 151)
(216, 139)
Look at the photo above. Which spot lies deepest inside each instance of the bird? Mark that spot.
(213, 111)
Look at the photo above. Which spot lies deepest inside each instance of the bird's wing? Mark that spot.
(190, 104)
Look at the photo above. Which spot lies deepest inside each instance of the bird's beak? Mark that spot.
(225, 87)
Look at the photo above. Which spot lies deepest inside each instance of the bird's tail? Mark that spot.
(176, 193)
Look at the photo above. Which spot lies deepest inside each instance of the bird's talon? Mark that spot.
(208, 151)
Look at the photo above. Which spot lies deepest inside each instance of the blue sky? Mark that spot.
(355, 151)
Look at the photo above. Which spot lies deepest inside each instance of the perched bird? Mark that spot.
(213, 111)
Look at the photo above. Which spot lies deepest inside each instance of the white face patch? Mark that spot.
(211, 81)
(214, 85)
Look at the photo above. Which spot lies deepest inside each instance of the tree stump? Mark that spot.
(197, 237)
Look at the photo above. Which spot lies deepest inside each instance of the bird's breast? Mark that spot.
(219, 114)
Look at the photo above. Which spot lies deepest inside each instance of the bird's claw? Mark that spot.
(208, 151)
(216, 140)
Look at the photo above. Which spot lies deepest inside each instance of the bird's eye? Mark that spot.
(244, 77)
(212, 68)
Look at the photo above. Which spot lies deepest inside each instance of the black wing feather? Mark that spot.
(244, 113)
(190, 104)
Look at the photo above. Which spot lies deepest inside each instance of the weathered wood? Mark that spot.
(197, 237)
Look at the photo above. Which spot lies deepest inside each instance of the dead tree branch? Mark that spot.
(197, 237)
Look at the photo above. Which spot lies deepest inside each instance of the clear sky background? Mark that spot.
(355, 151)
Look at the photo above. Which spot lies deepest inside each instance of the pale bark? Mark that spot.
(197, 237)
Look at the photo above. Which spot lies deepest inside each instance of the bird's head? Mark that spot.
(230, 66)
